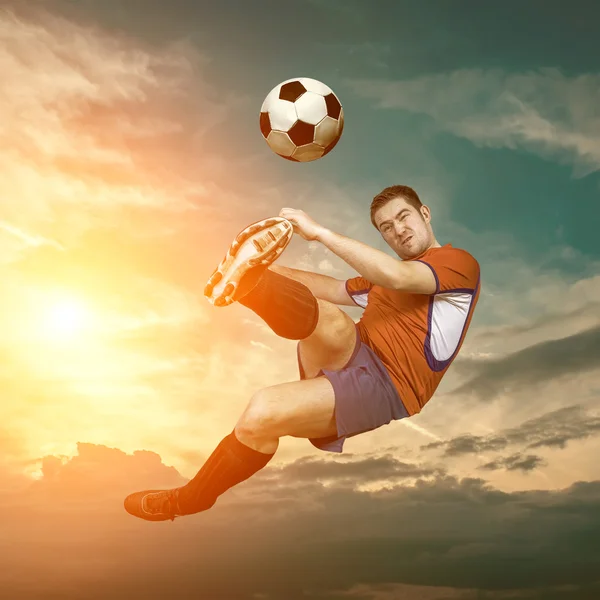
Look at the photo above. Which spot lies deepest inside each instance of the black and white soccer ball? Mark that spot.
(301, 119)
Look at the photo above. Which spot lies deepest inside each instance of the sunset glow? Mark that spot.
(66, 319)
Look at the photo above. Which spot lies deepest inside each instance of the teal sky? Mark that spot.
(131, 155)
(541, 200)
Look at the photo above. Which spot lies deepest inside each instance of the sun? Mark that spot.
(65, 318)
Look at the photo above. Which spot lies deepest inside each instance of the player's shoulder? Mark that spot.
(449, 258)
(448, 252)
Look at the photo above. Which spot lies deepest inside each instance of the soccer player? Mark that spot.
(354, 377)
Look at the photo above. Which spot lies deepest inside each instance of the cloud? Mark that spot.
(551, 430)
(104, 132)
(572, 314)
(75, 100)
(296, 530)
(544, 111)
(96, 472)
(515, 462)
(395, 591)
(542, 362)
(352, 472)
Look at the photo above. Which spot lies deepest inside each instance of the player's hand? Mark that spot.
(304, 225)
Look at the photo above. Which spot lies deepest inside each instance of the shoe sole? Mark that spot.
(260, 243)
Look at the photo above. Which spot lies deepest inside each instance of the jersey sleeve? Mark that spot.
(454, 269)
(358, 289)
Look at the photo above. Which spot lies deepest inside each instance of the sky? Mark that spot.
(131, 156)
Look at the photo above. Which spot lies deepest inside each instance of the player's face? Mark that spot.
(404, 228)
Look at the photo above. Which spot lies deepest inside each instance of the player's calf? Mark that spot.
(287, 306)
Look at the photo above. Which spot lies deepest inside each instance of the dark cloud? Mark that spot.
(292, 531)
(395, 591)
(557, 428)
(591, 309)
(515, 462)
(540, 363)
(351, 472)
(469, 444)
(552, 430)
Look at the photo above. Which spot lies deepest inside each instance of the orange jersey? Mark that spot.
(417, 336)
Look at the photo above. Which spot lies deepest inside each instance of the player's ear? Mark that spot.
(425, 213)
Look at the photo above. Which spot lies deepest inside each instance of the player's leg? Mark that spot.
(300, 408)
(331, 343)
(326, 334)
(326, 409)
(287, 306)
(303, 409)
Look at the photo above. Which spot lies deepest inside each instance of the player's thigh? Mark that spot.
(304, 408)
(331, 344)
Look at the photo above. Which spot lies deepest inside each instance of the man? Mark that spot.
(354, 377)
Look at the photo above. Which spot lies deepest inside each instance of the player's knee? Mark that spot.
(336, 331)
(258, 420)
(335, 322)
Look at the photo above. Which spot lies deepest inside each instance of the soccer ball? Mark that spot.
(301, 119)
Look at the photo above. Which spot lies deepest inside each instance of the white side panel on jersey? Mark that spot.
(449, 314)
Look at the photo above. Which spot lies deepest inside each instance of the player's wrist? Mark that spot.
(323, 234)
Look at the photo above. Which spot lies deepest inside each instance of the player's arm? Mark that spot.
(378, 267)
(416, 278)
(322, 286)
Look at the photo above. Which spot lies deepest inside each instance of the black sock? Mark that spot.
(231, 463)
(287, 306)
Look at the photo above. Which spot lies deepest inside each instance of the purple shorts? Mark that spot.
(365, 396)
